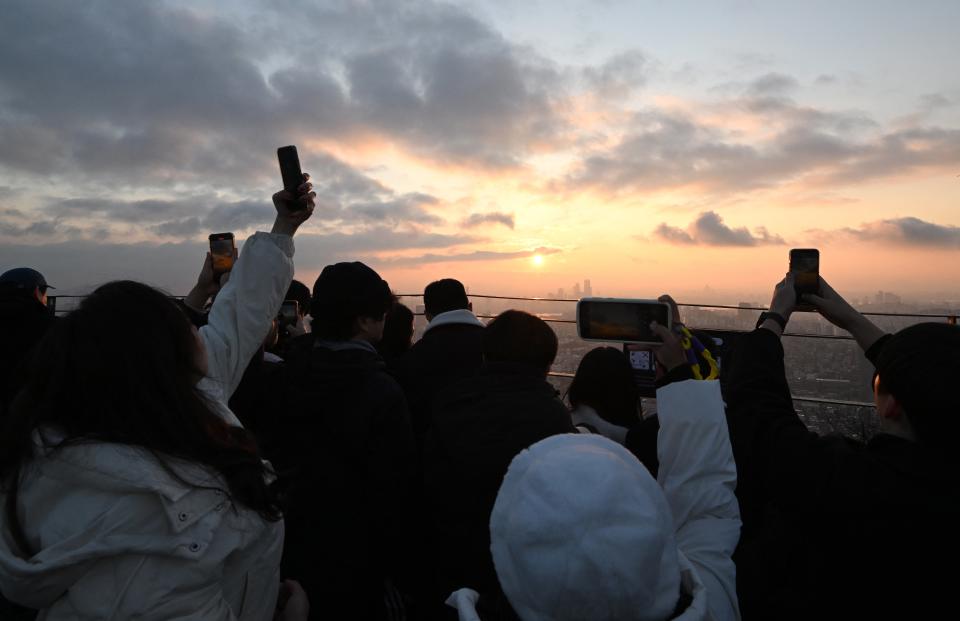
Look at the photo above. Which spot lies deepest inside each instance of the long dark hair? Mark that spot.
(122, 368)
(604, 381)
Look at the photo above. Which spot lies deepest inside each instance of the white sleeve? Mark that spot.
(240, 316)
(698, 477)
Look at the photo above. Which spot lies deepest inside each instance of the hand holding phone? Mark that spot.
(291, 174)
(223, 251)
(805, 266)
(626, 321)
(289, 313)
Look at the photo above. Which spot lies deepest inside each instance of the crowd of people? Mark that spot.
(204, 459)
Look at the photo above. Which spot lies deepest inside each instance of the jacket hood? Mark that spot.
(580, 530)
(461, 316)
(37, 580)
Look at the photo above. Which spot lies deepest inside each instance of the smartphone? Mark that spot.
(805, 265)
(289, 312)
(626, 321)
(222, 250)
(290, 171)
(644, 365)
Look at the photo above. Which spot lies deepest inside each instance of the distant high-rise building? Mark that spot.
(561, 294)
(576, 290)
(587, 289)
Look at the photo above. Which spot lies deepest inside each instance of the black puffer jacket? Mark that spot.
(480, 424)
(341, 442)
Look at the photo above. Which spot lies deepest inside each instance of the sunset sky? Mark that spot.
(650, 146)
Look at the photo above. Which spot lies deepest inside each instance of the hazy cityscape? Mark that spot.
(828, 374)
(827, 371)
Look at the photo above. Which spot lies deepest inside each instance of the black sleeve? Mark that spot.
(678, 374)
(778, 459)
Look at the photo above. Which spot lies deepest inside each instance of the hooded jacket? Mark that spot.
(117, 536)
(580, 530)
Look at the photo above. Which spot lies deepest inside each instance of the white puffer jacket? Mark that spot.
(119, 537)
(581, 531)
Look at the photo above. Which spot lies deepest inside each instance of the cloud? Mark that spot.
(668, 150)
(493, 217)
(154, 91)
(478, 255)
(907, 231)
(772, 84)
(345, 197)
(619, 76)
(709, 230)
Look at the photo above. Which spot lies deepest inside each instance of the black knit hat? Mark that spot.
(345, 291)
(919, 366)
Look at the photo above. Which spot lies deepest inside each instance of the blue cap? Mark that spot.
(24, 278)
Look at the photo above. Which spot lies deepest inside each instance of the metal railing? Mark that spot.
(950, 318)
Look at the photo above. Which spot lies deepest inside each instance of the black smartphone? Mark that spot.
(643, 361)
(626, 321)
(290, 170)
(222, 250)
(289, 312)
(805, 265)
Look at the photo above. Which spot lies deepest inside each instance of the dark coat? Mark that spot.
(339, 437)
(480, 424)
(445, 354)
(833, 528)
(23, 322)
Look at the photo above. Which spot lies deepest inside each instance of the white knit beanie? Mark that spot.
(581, 531)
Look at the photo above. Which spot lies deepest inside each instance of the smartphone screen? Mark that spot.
(290, 169)
(628, 321)
(222, 250)
(805, 265)
(289, 312)
(644, 365)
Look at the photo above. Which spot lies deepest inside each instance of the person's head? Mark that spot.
(350, 301)
(25, 281)
(580, 530)
(444, 295)
(518, 337)
(913, 388)
(397, 331)
(605, 382)
(123, 368)
(301, 293)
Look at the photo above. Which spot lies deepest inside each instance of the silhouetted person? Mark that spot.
(449, 350)
(129, 489)
(339, 436)
(480, 424)
(580, 531)
(397, 333)
(833, 527)
(24, 319)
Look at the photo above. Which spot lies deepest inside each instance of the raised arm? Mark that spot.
(698, 477)
(241, 314)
